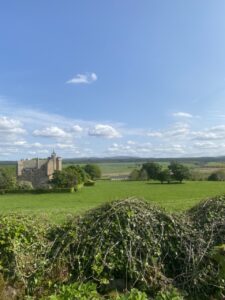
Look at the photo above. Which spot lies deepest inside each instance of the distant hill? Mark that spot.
(124, 159)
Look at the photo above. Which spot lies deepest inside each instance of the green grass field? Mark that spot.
(173, 197)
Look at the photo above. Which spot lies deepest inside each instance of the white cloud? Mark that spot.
(10, 126)
(105, 131)
(51, 132)
(77, 128)
(154, 134)
(131, 142)
(83, 78)
(182, 114)
(65, 146)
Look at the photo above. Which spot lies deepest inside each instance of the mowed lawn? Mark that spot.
(173, 197)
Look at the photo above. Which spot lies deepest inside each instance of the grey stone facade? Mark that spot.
(38, 171)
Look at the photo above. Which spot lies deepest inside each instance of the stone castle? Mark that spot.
(38, 171)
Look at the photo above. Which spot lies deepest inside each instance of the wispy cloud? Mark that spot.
(181, 114)
(83, 78)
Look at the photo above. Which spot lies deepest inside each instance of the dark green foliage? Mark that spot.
(209, 218)
(7, 180)
(138, 175)
(217, 176)
(41, 191)
(22, 250)
(164, 175)
(68, 177)
(76, 291)
(93, 171)
(186, 260)
(87, 291)
(118, 246)
(178, 171)
(170, 294)
(152, 169)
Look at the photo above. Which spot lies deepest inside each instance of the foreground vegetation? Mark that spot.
(123, 250)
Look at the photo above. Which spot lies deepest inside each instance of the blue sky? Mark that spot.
(105, 78)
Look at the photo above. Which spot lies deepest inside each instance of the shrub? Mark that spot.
(117, 246)
(134, 294)
(22, 250)
(209, 218)
(170, 294)
(7, 180)
(24, 185)
(77, 291)
(217, 176)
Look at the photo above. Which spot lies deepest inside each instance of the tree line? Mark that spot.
(155, 171)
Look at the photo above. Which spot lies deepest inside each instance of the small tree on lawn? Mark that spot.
(179, 172)
(164, 175)
(152, 169)
(93, 171)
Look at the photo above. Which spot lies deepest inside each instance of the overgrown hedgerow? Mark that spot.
(119, 246)
(116, 245)
(130, 243)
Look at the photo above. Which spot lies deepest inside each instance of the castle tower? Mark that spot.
(53, 157)
(19, 168)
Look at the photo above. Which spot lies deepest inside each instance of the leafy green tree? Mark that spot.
(68, 177)
(179, 172)
(143, 175)
(164, 175)
(134, 175)
(7, 180)
(93, 171)
(152, 169)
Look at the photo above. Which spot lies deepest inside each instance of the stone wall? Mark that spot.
(38, 171)
(38, 177)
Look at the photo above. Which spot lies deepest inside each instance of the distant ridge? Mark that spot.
(120, 159)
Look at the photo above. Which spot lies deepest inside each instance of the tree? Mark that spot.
(143, 175)
(7, 180)
(164, 175)
(152, 169)
(217, 176)
(179, 172)
(68, 177)
(93, 171)
(134, 175)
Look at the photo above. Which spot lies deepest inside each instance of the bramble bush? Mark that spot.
(128, 246)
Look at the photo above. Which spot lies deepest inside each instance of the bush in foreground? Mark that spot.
(121, 246)
(118, 246)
